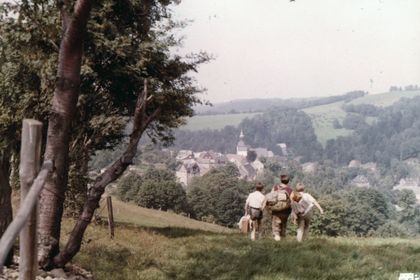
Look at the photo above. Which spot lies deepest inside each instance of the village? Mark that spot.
(196, 164)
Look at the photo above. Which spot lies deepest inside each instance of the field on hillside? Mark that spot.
(323, 116)
(385, 99)
(322, 119)
(127, 213)
(144, 251)
(216, 121)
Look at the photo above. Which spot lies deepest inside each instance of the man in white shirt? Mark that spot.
(254, 206)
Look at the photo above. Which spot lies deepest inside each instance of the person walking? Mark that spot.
(279, 217)
(302, 205)
(254, 207)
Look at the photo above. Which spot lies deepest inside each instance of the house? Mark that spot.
(410, 184)
(186, 172)
(236, 159)
(309, 167)
(184, 155)
(195, 164)
(262, 152)
(283, 148)
(247, 172)
(360, 181)
(354, 164)
(370, 166)
(258, 167)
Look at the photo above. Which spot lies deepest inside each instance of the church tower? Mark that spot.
(241, 148)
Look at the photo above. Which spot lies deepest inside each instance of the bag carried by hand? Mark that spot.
(244, 225)
(278, 200)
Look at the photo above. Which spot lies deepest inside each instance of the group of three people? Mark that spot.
(300, 206)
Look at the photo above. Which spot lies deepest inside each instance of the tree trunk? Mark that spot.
(141, 122)
(63, 109)
(5, 198)
(78, 181)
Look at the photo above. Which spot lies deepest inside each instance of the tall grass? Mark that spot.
(176, 253)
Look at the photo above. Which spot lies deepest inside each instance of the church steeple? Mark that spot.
(241, 148)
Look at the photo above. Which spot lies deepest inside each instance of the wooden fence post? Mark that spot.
(13, 230)
(110, 216)
(30, 159)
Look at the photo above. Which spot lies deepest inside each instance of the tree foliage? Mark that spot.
(155, 189)
(218, 196)
(126, 43)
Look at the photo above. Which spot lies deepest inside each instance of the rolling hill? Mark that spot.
(216, 121)
(322, 116)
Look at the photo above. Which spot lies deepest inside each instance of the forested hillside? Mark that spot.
(393, 135)
(328, 120)
(369, 128)
(278, 125)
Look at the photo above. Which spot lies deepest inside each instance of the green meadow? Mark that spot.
(180, 248)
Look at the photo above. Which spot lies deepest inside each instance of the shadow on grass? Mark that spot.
(169, 232)
(176, 232)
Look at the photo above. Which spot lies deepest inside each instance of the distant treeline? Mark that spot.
(406, 88)
(261, 105)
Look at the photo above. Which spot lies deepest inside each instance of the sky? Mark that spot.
(303, 48)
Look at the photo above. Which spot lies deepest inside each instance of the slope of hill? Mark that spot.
(250, 105)
(216, 121)
(385, 99)
(323, 116)
(128, 213)
(173, 252)
(261, 105)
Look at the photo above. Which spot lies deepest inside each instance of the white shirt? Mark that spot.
(256, 200)
(310, 199)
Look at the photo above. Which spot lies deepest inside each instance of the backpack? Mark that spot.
(278, 200)
(300, 207)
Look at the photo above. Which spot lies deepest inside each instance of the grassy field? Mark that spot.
(174, 250)
(216, 121)
(322, 119)
(126, 213)
(385, 99)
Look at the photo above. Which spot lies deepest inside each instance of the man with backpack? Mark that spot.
(254, 206)
(278, 201)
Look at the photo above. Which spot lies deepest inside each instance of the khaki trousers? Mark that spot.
(255, 224)
(279, 224)
(303, 223)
